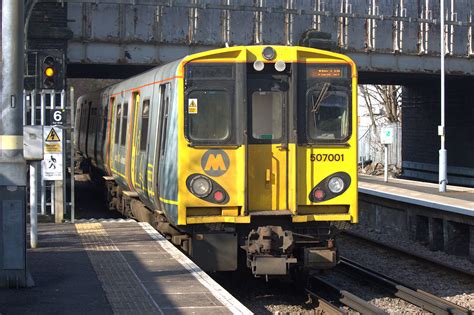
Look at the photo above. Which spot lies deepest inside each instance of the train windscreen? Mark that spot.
(209, 103)
(325, 93)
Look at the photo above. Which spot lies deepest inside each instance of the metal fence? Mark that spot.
(371, 149)
(38, 110)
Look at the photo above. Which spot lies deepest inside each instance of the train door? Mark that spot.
(161, 135)
(267, 168)
(109, 134)
(87, 133)
(134, 139)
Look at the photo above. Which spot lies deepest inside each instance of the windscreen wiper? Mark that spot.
(319, 100)
(322, 94)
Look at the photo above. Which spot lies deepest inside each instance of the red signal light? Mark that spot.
(219, 196)
(319, 194)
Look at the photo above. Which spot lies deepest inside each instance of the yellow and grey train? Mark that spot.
(242, 155)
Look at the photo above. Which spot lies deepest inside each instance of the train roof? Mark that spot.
(235, 54)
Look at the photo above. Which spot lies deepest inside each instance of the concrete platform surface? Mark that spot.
(115, 267)
(457, 199)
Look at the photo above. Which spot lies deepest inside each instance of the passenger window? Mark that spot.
(123, 138)
(117, 123)
(79, 126)
(93, 120)
(84, 120)
(209, 115)
(144, 129)
(104, 123)
(164, 110)
(267, 115)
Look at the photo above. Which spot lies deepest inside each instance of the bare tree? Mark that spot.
(391, 98)
(387, 97)
(381, 104)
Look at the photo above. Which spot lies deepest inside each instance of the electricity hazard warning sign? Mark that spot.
(193, 106)
(52, 167)
(52, 136)
(53, 140)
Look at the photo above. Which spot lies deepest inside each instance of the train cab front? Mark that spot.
(269, 164)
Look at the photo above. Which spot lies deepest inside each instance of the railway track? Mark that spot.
(411, 254)
(331, 297)
(420, 298)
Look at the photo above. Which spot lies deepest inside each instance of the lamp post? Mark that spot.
(441, 128)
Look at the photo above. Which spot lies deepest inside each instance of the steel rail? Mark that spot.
(410, 254)
(317, 284)
(325, 306)
(420, 298)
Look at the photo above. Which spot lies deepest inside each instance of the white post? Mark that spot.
(52, 195)
(385, 170)
(72, 107)
(33, 206)
(43, 182)
(33, 182)
(441, 129)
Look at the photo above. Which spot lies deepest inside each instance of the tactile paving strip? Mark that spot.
(125, 292)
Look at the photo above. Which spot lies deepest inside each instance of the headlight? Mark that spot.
(258, 65)
(336, 185)
(280, 66)
(269, 53)
(201, 186)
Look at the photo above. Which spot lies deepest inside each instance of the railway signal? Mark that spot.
(51, 70)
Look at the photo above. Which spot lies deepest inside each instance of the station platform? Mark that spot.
(114, 267)
(458, 200)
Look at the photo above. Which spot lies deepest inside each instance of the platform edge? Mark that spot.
(219, 293)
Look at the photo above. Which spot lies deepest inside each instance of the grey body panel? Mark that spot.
(155, 170)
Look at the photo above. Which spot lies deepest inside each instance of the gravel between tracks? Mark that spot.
(284, 297)
(414, 247)
(261, 297)
(424, 276)
(375, 296)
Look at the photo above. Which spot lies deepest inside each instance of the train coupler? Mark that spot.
(269, 250)
(270, 265)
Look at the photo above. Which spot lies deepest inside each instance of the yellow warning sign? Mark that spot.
(52, 147)
(53, 136)
(193, 106)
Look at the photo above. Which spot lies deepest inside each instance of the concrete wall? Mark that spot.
(439, 230)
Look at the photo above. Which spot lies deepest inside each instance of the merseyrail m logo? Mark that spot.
(215, 162)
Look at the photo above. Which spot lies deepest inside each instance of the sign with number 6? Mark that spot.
(57, 117)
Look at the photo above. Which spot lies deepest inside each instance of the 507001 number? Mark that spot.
(327, 157)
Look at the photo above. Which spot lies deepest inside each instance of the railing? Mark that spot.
(50, 197)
